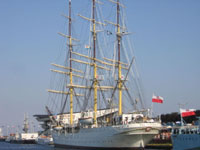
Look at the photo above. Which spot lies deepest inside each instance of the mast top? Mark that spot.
(117, 3)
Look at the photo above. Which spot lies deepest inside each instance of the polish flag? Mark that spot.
(87, 46)
(187, 112)
(157, 99)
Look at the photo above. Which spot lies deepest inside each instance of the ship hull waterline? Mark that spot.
(96, 148)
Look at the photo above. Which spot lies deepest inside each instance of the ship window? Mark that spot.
(187, 131)
(175, 131)
(183, 131)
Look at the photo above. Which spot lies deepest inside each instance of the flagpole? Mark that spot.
(155, 99)
(180, 105)
(152, 107)
(181, 117)
(181, 113)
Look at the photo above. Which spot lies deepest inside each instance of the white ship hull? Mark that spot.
(122, 136)
(25, 138)
(186, 141)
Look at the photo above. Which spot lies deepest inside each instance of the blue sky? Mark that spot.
(166, 40)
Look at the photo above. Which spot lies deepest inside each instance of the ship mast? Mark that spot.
(25, 129)
(70, 63)
(94, 64)
(94, 61)
(119, 64)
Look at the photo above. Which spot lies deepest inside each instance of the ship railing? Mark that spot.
(185, 130)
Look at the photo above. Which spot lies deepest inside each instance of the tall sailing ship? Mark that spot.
(100, 108)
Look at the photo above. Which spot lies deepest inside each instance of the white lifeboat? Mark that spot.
(58, 128)
(86, 121)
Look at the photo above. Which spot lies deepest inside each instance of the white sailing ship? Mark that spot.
(101, 121)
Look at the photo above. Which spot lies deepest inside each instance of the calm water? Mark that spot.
(8, 146)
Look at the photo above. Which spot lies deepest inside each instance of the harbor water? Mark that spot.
(8, 146)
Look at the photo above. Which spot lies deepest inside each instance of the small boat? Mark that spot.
(26, 137)
(86, 121)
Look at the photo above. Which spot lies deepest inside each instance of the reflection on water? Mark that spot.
(8, 146)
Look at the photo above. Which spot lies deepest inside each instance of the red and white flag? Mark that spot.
(187, 112)
(157, 99)
(87, 46)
